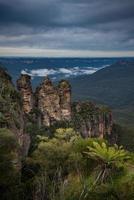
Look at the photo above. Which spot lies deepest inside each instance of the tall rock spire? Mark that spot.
(64, 89)
(48, 102)
(25, 88)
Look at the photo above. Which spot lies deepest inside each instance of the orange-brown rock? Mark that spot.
(48, 102)
(54, 103)
(64, 89)
(25, 88)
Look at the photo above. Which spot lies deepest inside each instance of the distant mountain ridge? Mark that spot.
(113, 85)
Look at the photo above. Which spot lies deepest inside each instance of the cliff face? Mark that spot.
(48, 102)
(64, 90)
(92, 121)
(54, 104)
(25, 88)
(11, 113)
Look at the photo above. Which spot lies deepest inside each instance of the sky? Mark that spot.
(67, 28)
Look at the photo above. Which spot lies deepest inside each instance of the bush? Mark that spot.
(9, 163)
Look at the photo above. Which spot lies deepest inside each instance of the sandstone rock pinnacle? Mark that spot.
(25, 88)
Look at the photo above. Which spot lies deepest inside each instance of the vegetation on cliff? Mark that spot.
(10, 102)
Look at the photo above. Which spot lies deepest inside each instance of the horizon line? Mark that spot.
(61, 53)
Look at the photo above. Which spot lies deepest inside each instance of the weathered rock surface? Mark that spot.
(64, 90)
(25, 88)
(92, 121)
(53, 102)
(48, 102)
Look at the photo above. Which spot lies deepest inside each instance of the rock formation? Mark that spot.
(64, 90)
(48, 102)
(91, 121)
(53, 102)
(25, 88)
(54, 105)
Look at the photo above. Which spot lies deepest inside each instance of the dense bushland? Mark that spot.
(66, 166)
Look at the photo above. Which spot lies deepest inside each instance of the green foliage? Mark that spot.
(107, 155)
(68, 167)
(9, 173)
(35, 131)
(66, 134)
(110, 160)
(10, 102)
(51, 161)
(124, 136)
(58, 149)
(85, 110)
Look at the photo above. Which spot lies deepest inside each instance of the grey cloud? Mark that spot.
(68, 24)
(63, 13)
(83, 39)
(28, 14)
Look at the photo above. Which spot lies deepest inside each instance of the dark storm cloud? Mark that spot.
(53, 13)
(27, 13)
(68, 24)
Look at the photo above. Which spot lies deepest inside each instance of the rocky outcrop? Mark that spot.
(48, 102)
(92, 121)
(54, 105)
(53, 102)
(11, 113)
(64, 90)
(25, 88)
